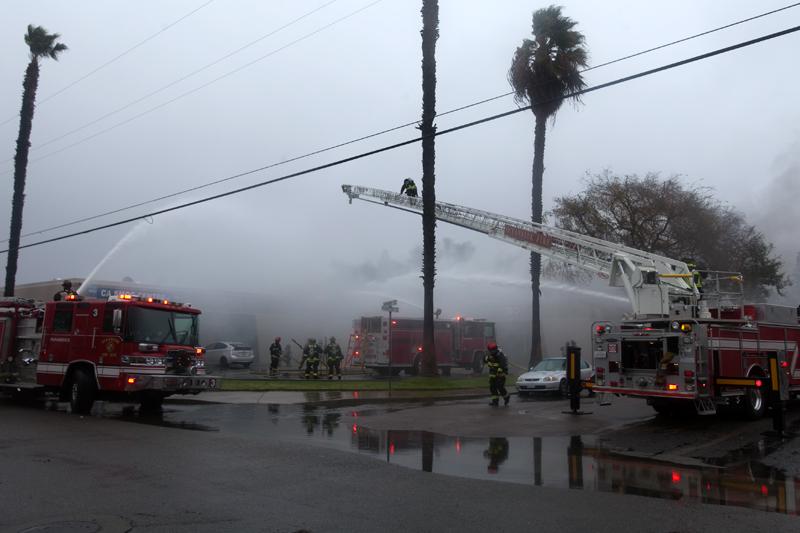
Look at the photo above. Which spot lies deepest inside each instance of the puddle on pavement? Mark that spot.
(581, 463)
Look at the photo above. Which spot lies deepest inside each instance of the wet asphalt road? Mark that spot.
(445, 466)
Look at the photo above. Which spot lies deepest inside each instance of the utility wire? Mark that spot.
(382, 132)
(115, 58)
(387, 148)
(183, 78)
(191, 91)
(161, 89)
(385, 131)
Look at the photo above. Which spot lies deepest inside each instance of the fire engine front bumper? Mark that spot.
(170, 383)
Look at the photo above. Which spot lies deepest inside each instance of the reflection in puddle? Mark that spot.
(581, 463)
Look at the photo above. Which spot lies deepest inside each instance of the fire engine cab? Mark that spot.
(682, 345)
(394, 346)
(126, 348)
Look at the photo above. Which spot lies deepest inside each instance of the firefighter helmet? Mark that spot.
(492, 346)
(277, 339)
(333, 339)
(66, 284)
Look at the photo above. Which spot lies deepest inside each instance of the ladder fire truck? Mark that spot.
(679, 346)
(376, 342)
(125, 348)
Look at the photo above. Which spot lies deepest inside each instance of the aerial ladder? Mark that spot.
(656, 286)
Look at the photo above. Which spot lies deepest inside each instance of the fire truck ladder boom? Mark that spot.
(652, 282)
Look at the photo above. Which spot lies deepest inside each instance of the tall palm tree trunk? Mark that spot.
(536, 216)
(430, 33)
(29, 86)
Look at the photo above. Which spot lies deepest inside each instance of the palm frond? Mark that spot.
(547, 68)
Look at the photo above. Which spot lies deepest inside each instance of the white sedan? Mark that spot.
(550, 375)
(228, 353)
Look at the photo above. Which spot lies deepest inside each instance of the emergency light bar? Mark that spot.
(131, 298)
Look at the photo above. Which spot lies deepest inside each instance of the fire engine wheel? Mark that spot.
(81, 392)
(753, 405)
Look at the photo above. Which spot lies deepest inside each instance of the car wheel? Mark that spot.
(82, 392)
(563, 389)
(223, 363)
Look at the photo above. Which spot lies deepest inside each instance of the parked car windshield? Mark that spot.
(161, 326)
(549, 365)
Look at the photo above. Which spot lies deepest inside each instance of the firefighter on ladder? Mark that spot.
(311, 357)
(498, 370)
(333, 358)
(275, 352)
(409, 187)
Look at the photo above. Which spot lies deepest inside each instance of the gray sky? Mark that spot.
(728, 123)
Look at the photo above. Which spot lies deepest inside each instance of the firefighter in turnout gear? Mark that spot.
(697, 277)
(66, 292)
(333, 359)
(409, 187)
(498, 370)
(311, 357)
(275, 352)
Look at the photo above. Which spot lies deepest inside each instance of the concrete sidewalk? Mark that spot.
(326, 397)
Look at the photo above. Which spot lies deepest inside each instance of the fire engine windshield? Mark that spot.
(161, 326)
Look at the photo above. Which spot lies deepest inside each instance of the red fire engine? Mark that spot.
(126, 348)
(680, 346)
(460, 343)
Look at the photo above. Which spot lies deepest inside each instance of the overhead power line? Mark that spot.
(190, 91)
(385, 131)
(394, 146)
(116, 58)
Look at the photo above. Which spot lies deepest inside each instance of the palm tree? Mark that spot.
(41, 44)
(544, 72)
(430, 33)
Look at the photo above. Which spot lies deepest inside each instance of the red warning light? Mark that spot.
(391, 448)
(355, 428)
(676, 477)
(784, 364)
(458, 445)
(759, 383)
(764, 490)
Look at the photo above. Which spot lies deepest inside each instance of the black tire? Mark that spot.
(223, 363)
(82, 391)
(563, 389)
(151, 403)
(753, 404)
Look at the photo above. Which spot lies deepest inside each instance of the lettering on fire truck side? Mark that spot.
(110, 346)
